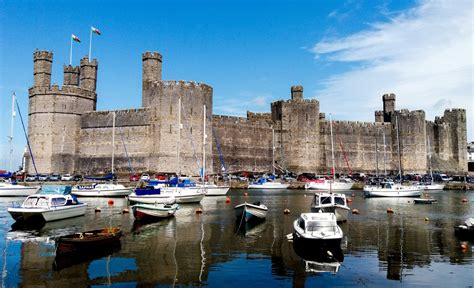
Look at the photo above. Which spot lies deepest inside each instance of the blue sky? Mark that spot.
(345, 53)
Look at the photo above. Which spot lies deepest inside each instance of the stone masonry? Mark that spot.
(68, 135)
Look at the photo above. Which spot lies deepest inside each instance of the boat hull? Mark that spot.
(89, 241)
(335, 186)
(180, 196)
(45, 214)
(391, 193)
(324, 244)
(216, 191)
(250, 212)
(341, 212)
(17, 190)
(269, 185)
(431, 187)
(143, 212)
(102, 193)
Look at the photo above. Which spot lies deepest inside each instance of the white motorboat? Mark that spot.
(158, 194)
(8, 189)
(331, 203)
(430, 186)
(317, 228)
(250, 212)
(101, 190)
(212, 189)
(465, 230)
(143, 212)
(327, 184)
(50, 204)
(267, 183)
(390, 189)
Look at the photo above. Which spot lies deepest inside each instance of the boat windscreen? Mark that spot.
(55, 189)
(325, 200)
(339, 201)
(319, 226)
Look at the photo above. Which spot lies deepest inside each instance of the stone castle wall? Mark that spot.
(68, 135)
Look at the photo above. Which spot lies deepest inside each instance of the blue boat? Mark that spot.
(250, 212)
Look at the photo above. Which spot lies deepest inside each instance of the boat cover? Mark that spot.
(55, 189)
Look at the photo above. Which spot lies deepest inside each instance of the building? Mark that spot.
(67, 134)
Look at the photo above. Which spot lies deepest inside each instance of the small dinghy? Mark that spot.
(425, 201)
(88, 241)
(251, 212)
(143, 212)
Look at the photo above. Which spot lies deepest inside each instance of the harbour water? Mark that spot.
(414, 246)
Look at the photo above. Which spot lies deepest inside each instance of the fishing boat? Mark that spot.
(53, 202)
(317, 229)
(101, 190)
(331, 203)
(143, 212)
(9, 189)
(250, 211)
(267, 183)
(391, 189)
(88, 241)
(465, 230)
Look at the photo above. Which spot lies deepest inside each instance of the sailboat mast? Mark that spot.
(384, 155)
(179, 138)
(273, 151)
(204, 136)
(398, 147)
(376, 157)
(10, 139)
(332, 148)
(429, 157)
(113, 141)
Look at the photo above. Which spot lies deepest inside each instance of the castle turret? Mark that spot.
(88, 74)
(388, 106)
(71, 75)
(42, 68)
(379, 116)
(297, 92)
(152, 62)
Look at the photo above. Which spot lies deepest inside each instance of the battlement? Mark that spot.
(43, 55)
(297, 92)
(71, 69)
(182, 84)
(152, 55)
(389, 96)
(63, 91)
(85, 62)
(229, 119)
(253, 116)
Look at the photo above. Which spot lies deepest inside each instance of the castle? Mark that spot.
(68, 135)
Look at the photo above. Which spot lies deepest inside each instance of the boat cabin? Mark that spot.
(317, 222)
(328, 199)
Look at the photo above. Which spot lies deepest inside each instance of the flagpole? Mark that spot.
(70, 53)
(90, 45)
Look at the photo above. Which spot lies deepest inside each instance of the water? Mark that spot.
(380, 249)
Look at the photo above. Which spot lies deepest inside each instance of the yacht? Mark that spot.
(212, 189)
(181, 191)
(329, 184)
(331, 203)
(8, 189)
(101, 190)
(267, 183)
(52, 203)
(391, 189)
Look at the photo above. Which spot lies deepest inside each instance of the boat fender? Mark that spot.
(355, 211)
(81, 236)
(389, 210)
(286, 211)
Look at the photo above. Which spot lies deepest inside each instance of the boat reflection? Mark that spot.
(250, 229)
(318, 259)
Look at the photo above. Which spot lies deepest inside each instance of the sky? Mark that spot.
(346, 54)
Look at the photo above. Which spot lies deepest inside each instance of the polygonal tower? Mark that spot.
(54, 113)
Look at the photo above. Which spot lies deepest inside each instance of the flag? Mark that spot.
(95, 30)
(75, 38)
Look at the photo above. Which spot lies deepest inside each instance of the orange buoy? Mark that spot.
(355, 211)
(97, 209)
(286, 211)
(349, 200)
(110, 202)
(353, 194)
(463, 247)
(125, 211)
(464, 200)
(389, 210)
(227, 200)
(246, 194)
(198, 211)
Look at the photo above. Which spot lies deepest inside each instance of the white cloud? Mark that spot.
(238, 107)
(424, 55)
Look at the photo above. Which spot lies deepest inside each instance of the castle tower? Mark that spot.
(388, 106)
(42, 68)
(151, 65)
(88, 74)
(71, 75)
(55, 113)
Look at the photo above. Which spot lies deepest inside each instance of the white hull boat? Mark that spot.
(167, 194)
(248, 211)
(430, 187)
(48, 207)
(329, 185)
(101, 190)
(154, 211)
(214, 190)
(317, 228)
(268, 185)
(331, 203)
(9, 189)
(392, 190)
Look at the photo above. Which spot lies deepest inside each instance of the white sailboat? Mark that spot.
(269, 182)
(330, 184)
(431, 185)
(103, 189)
(211, 189)
(389, 188)
(9, 189)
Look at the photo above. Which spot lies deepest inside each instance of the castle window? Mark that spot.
(306, 117)
(191, 129)
(170, 128)
(191, 110)
(171, 110)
